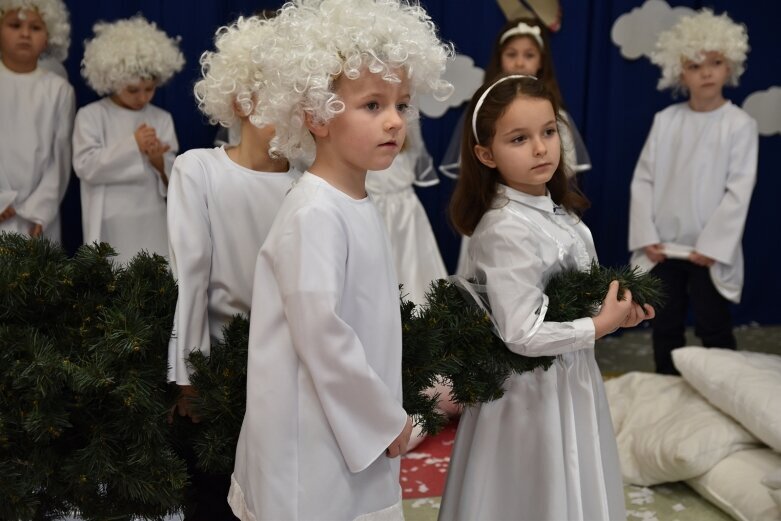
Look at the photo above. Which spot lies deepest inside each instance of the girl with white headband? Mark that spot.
(123, 146)
(522, 46)
(546, 449)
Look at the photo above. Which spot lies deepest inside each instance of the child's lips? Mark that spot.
(541, 165)
(391, 144)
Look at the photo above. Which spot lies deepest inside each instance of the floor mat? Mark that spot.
(424, 470)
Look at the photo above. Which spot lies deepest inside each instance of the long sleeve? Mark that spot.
(507, 258)
(190, 249)
(723, 232)
(44, 202)
(97, 162)
(363, 413)
(642, 230)
(167, 134)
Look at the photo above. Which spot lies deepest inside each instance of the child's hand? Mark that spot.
(146, 137)
(7, 213)
(619, 313)
(36, 230)
(157, 150)
(655, 252)
(701, 260)
(399, 445)
(184, 405)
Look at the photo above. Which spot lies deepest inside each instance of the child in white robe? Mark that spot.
(123, 146)
(546, 449)
(221, 203)
(37, 107)
(522, 46)
(324, 422)
(692, 185)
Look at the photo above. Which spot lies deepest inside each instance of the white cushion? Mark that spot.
(773, 479)
(734, 485)
(666, 431)
(743, 384)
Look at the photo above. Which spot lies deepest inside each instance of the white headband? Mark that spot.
(523, 29)
(485, 93)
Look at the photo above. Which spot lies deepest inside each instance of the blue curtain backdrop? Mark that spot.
(611, 99)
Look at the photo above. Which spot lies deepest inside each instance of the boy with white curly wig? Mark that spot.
(221, 203)
(324, 424)
(124, 147)
(39, 106)
(693, 183)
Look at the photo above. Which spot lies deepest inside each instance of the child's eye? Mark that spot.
(551, 131)
(402, 107)
(519, 139)
(373, 105)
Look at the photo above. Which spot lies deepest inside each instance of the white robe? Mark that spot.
(122, 195)
(37, 111)
(219, 214)
(692, 187)
(415, 251)
(324, 368)
(545, 450)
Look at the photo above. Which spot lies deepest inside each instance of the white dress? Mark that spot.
(324, 368)
(692, 188)
(219, 214)
(122, 195)
(35, 153)
(546, 450)
(415, 251)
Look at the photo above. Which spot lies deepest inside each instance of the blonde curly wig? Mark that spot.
(55, 16)
(126, 51)
(695, 35)
(231, 80)
(316, 41)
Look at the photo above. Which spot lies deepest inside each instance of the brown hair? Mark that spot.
(478, 184)
(546, 74)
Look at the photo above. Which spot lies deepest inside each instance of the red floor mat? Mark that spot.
(423, 471)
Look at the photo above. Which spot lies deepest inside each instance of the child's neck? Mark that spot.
(706, 104)
(252, 151)
(350, 180)
(19, 67)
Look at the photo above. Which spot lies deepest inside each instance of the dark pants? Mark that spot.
(208, 495)
(686, 283)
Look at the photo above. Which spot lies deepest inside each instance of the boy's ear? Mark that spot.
(485, 156)
(317, 128)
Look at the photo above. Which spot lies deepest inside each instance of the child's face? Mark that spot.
(526, 147)
(23, 36)
(521, 55)
(135, 96)
(370, 132)
(706, 79)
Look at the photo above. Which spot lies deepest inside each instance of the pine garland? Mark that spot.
(83, 399)
(452, 338)
(82, 384)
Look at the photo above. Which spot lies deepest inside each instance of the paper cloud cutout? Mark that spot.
(466, 78)
(765, 107)
(635, 33)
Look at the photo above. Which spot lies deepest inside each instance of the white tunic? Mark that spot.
(692, 187)
(415, 252)
(324, 368)
(122, 195)
(545, 450)
(35, 153)
(219, 214)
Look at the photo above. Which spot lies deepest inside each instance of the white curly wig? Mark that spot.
(55, 16)
(695, 35)
(229, 74)
(126, 51)
(316, 41)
